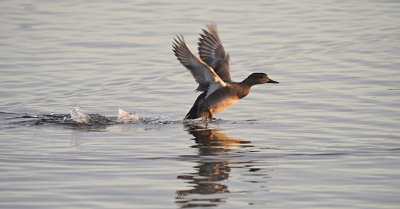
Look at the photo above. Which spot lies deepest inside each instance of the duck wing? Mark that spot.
(212, 52)
(202, 73)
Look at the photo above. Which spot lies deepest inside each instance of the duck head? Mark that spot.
(259, 78)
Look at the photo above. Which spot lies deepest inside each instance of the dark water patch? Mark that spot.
(60, 119)
(94, 122)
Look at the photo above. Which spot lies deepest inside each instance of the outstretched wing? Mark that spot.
(212, 52)
(202, 73)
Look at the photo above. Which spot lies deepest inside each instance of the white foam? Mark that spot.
(78, 116)
(194, 122)
(127, 117)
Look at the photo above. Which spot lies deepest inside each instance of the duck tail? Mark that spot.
(193, 112)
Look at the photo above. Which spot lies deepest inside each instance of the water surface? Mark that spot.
(327, 136)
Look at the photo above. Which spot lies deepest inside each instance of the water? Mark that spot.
(327, 136)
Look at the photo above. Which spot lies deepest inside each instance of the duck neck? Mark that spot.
(244, 89)
(247, 82)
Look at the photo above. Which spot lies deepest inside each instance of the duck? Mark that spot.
(212, 72)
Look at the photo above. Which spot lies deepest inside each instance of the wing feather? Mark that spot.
(213, 53)
(202, 72)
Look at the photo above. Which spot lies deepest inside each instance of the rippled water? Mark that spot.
(327, 136)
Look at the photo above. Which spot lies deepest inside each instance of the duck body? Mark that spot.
(213, 75)
(217, 101)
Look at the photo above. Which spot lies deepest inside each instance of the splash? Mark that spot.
(78, 116)
(79, 119)
(194, 122)
(126, 117)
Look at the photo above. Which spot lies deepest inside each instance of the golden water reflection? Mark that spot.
(216, 155)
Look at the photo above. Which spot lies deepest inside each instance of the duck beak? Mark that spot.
(272, 81)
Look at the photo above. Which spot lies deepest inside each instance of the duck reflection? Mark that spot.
(216, 155)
